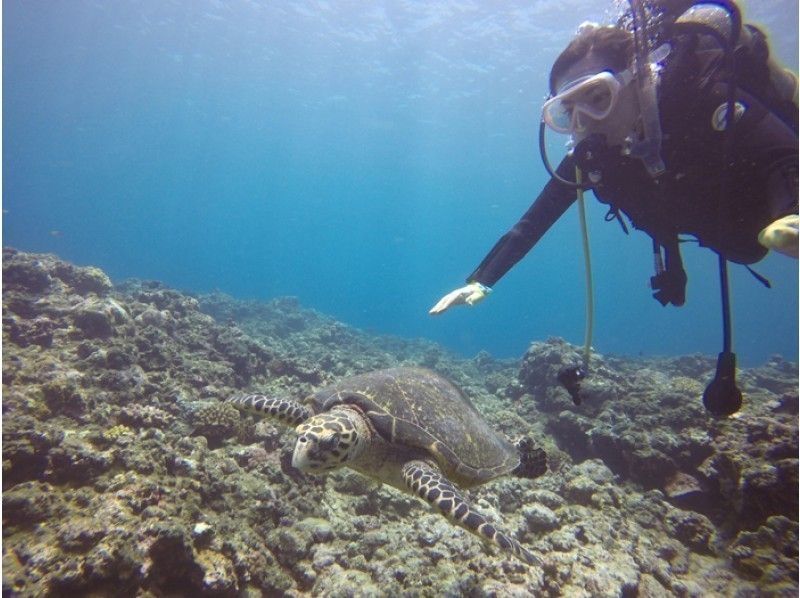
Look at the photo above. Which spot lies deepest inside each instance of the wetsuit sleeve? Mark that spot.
(782, 186)
(766, 141)
(773, 145)
(552, 202)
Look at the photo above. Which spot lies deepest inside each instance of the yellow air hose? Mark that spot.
(587, 345)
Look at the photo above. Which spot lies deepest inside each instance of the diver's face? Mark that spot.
(618, 123)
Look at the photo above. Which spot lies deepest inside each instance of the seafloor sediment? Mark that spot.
(124, 475)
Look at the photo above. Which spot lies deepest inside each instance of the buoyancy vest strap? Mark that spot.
(759, 277)
(613, 214)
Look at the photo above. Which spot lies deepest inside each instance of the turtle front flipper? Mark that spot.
(532, 460)
(285, 411)
(427, 482)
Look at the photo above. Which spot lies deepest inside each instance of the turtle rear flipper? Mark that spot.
(285, 411)
(428, 483)
(532, 460)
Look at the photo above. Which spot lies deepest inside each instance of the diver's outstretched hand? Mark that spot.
(471, 294)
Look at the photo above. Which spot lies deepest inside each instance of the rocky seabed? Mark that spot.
(125, 475)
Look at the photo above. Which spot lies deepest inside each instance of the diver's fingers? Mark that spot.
(452, 298)
(471, 294)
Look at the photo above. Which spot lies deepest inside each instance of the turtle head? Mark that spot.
(330, 440)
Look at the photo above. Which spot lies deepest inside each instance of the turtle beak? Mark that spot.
(313, 454)
(302, 451)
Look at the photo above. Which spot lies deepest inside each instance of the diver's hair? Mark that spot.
(613, 44)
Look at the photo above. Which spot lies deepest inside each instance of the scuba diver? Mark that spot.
(681, 121)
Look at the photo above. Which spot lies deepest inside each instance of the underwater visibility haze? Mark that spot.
(361, 156)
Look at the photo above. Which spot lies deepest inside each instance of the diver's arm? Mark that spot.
(769, 142)
(551, 203)
(781, 188)
(772, 144)
(781, 191)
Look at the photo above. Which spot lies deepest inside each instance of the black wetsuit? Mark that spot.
(686, 199)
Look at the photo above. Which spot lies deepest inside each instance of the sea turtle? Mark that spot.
(410, 428)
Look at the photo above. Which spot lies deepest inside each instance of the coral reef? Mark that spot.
(649, 426)
(124, 475)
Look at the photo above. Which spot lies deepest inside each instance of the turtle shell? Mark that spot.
(418, 408)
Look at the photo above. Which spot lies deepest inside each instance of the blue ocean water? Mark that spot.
(362, 156)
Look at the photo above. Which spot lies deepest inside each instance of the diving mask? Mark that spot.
(593, 96)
